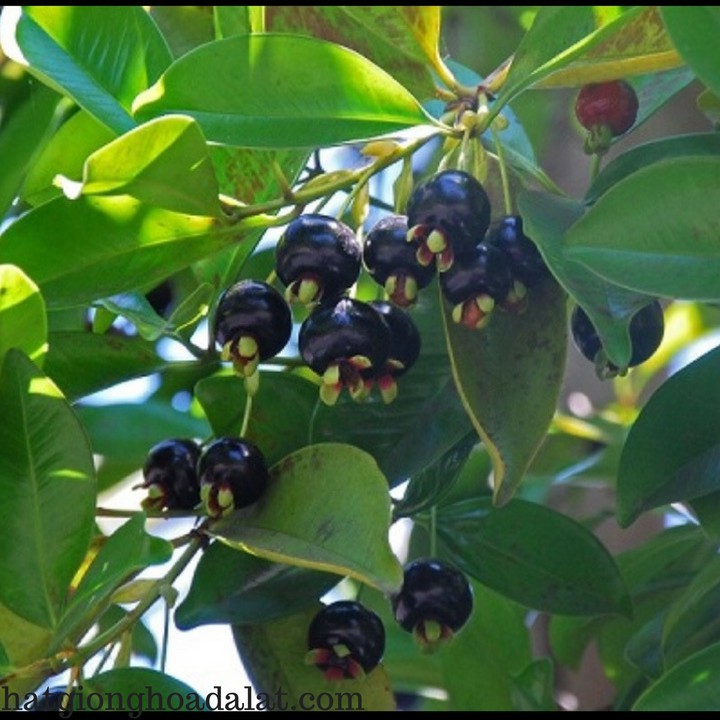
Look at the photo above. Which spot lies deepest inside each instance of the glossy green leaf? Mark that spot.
(231, 586)
(281, 91)
(668, 248)
(271, 427)
(22, 314)
(164, 163)
(47, 482)
(694, 31)
(508, 375)
(272, 654)
(127, 688)
(534, 555)
(184, 27)
(327, 508)
(81, 363)
(641, 156)
(546, 219)
(232, 20)
(534, 688)
(665, 462)
(643, 649)
(101, 56)
(137, 308)
(403, 40)
(129, 430)
(707, 511)
(692, 685)
(65, 154)
(22, 138)
(125, 246)
(128, 550)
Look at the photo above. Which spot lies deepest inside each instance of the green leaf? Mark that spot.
(281, 91)
(135, 307)
(164, 163)
(692, 685)
(665, 462)
(707, 511)
(403, 40)
(694, 32)
(47, 482)
(128, 550)
(272, 654)
(230, 586)
(534, 555)
(102, 57)
(125, 246)
(143, 641)
(184, 27)
(327, 508)
(641, 156)
(271, 427)
(547, 219)
(656, 231)
(509, 375)
(232, 20)
(534, 687)
(126, 688)
(22, 314)
(81, 363)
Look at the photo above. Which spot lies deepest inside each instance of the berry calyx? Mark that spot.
(345, 640)
(252, 323)
(317, 257)
(403, 350)
(233, 475)
(392, 261)
(170, 476)
(448, 214)
(341, 340)
(606, 110)
(647, 328)
(476, 284)
(434, 602)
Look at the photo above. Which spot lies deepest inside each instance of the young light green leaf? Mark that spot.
(281, 91)
(508, 375)
(534, 555)
(665, 462)
(327, 508)
(101, 56)
(656, 231)
(23, 324)
(47, 482)
(164, 163)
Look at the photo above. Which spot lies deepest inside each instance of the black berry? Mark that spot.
(317, 257)
(341, 340)
(252, 323)
(434, 602)
(475, 284)
(345, 640)
(403, 350)
(647, 328)
(233, 474)
(392, 261)
(449, 214)
(170, 476)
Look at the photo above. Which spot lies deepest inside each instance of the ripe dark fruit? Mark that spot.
(252, 323)
(526, 262)
(403, 350)
(606, 110)
(392, 261)
(170, 476)
(339, 341)
(317, 257)
(345, 640)
(646, 333)
(233, 475)
(475, 284)
(434, 602)
(448, 214)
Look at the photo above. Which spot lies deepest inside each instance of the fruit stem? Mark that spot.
(165, 636)
(507, 199)
(433, 531)
(246, 415)
(595, 162)
(115, 513)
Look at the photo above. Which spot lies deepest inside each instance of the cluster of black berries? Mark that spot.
(227, 474)
(346, 639)
(448, 227)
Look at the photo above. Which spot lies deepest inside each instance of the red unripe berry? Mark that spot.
(612, 103)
